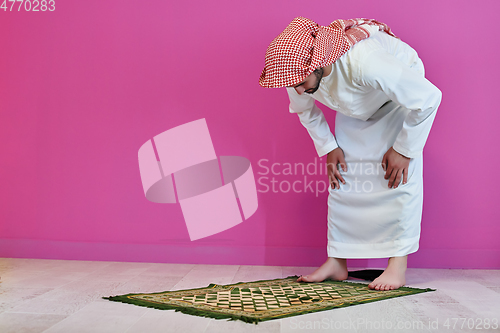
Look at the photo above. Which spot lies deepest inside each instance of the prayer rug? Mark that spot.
(263, 300)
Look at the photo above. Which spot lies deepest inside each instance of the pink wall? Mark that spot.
(83, 87)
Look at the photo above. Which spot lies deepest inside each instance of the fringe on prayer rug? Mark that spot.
(257, 301)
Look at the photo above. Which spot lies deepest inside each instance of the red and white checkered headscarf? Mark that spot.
(305, 46)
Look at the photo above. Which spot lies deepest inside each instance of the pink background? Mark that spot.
(82, 88)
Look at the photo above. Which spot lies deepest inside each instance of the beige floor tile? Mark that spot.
(253, 273)
(431, 278)
(121, 270)
(474, 296)
(47, 264)
(27, 322)
(202, 275)
(40, 279)
(10, 297)
(168, 270)
(487, 278)
(100, 316)
(146, 284)
(495, 289)
(287, 271)
(232, 326)
(66, 296)
(169, 321)
(70, 298)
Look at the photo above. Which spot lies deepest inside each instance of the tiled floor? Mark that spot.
(66, 296)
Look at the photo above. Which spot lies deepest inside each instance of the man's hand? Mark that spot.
(334, 158)
(395, 166)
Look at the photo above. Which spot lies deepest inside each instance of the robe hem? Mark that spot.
(398, 248)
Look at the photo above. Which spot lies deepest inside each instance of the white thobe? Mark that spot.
(382, 100)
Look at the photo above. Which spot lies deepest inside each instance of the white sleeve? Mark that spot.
(408, 88)
(313, 119)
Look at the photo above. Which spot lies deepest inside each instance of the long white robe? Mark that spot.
(382, 100)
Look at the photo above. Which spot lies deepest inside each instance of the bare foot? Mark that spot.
(393, 277)
(333, 268)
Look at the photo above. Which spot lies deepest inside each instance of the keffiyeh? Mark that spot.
(305, 46)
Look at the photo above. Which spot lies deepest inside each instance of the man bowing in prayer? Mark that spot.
(385, 109)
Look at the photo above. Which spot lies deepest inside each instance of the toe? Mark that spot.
(374, 284)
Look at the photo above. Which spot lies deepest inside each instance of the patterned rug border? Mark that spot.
(218, 315)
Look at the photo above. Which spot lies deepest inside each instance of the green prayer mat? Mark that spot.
(263, 300)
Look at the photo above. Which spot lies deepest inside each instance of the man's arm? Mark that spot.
(412, 90)
(408, 88)
(313, 119)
